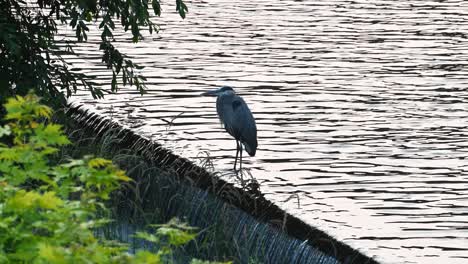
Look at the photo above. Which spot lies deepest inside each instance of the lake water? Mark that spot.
(361, 109)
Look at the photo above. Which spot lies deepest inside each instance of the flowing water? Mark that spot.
(361, 109)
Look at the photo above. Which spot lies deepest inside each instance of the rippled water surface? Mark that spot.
(361, 108)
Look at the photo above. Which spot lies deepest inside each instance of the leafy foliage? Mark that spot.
(48, 211)
(31, 55)
(173, 233)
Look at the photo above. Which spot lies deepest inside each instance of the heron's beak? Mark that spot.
(211, 93)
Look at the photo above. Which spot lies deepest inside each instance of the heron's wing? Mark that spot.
(224, 109)
(243, 125)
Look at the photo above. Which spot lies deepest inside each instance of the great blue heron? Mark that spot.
(237, 119)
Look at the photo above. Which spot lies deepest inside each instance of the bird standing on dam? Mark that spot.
(237, 119)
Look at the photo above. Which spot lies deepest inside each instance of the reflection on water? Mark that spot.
(361, 108)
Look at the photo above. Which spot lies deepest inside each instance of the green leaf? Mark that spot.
(22, 200)
(99, 162)
(114, 82)
(52, 254)
(143, 257)
(176, 237)
(5, 130)
(43, 111)
(50, 134)
(7, 222)
(10, 154)
(14, 108)
(88, 16)
(181, 8)
(49, 201)
(148, 237)
(73, 163)
(156, 7)
(120, 174)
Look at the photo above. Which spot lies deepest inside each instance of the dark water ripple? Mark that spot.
(361, 109)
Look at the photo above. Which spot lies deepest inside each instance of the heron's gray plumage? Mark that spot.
(237, 119)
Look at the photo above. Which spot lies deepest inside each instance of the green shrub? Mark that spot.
(49, 212)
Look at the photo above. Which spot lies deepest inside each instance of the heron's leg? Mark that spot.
(237, 153)
(240, 161)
